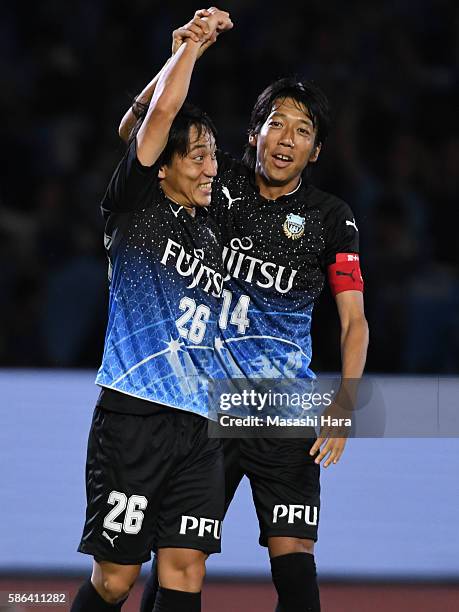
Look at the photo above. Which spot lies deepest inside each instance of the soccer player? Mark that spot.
(282, 238)
(154, 479)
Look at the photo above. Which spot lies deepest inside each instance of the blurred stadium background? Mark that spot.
(389, 535)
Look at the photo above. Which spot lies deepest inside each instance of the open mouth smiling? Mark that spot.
(281, 160)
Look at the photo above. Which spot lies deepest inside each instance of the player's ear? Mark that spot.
(315, 153)
(253, 140)
(162, 172)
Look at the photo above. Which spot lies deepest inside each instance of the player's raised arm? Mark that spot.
(168, 97)
(136, 111)
(198, 30)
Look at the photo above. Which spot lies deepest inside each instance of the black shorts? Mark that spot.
(285, 484)
(151, 482)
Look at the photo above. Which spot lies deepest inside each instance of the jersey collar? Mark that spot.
(301, 187)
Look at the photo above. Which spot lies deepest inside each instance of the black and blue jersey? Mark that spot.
(276, 256)
(165, 286)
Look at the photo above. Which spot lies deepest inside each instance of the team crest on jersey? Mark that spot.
(294, 226)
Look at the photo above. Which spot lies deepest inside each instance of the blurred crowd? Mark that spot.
(390, 69)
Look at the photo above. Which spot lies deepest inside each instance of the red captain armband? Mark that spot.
(345, 274)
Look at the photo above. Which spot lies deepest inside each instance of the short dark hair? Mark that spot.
(178, 141)
(302, 92)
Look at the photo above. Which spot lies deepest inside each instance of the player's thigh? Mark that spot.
(285, 484)
(129, 458)
(192, 506)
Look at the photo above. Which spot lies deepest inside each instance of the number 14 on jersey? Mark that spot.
(238, 316)
(199, 316)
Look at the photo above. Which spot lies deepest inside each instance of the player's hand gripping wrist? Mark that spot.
(203, 28)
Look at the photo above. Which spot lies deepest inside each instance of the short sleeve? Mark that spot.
(341, 255)
(132, 186)
(341, 232)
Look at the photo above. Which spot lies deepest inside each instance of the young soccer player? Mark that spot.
(154, 479)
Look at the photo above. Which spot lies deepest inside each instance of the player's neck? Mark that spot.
(271, 191)
(191, 210)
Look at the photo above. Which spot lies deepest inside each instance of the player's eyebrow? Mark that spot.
(201, 146)
(197, 146)
(306, 120)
